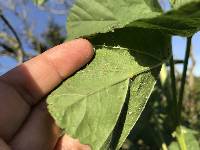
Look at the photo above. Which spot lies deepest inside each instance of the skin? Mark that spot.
(24, 120)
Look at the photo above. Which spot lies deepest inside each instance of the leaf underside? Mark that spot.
(89, 17)
(183, 20)
(100, 104)
(89, 105)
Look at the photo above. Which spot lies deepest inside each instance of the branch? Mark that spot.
(178, 132)
(20, 52)
(8, 38)
(176, 62)
(173, 90)
(6, 53)
(184, 74)
(8, 48)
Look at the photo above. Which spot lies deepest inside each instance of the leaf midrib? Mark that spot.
(110, 85)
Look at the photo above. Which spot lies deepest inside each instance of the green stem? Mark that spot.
(180, 138)
(184, 74)
(173, 90)
(164, 146)
(178, 133)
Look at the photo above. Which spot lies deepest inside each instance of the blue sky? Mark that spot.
(179, 46)
(37, 17)
(40, 18)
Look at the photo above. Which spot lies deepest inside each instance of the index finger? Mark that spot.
(26, 84)
(38, 76)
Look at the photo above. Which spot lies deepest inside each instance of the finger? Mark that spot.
(68, 143)
(36, 78)
(41, 74)
(38, 133)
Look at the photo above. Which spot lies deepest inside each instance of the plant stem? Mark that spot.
(178, 132)
(20, 52)
(164, 146)
(184, 75)
(180, 138)
(174, 91)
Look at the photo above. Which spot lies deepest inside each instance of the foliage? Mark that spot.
(104, 16)
(112, 67)
(155, 127)
(121, 41)
(184, 21)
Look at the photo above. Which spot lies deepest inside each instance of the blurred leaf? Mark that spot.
(163, 74)
(39, 2)
(179, 3)
(190, 139)
(174, 146)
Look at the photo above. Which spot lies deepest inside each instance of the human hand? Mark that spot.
(25, 123)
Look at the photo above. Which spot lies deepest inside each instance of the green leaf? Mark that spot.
(39, 2)
(174, 146)
(154, 5)
(179, 3)
(90, 117)
(109, 95)
(140, 90)
(100, 16)
(184, 21)
(143, 41)
(87, 106)
(163, 74)
(190, 139)
(143, 44)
